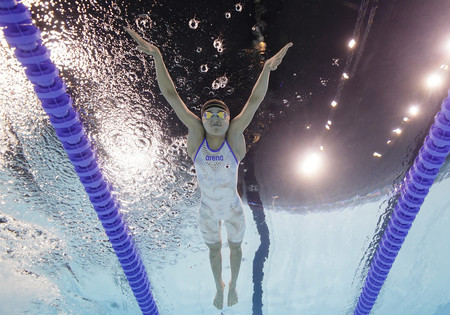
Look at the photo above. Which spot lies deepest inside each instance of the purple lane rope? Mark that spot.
(414, 189)
(51, 90)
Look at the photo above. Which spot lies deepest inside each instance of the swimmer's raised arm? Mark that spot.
(259, 91)
(162, 75)
(165, 82)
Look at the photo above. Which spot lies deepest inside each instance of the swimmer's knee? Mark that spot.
(234, 245)
(214, 247)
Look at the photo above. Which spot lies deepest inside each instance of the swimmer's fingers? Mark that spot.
(288, 45)
(284, 50)
(144, 46)
(276, 60)
(135, 36)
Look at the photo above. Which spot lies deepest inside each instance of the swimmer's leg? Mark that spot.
(215, 258)
(235, 262)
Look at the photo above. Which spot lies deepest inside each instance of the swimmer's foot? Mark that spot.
(232, 296)
(218, 300)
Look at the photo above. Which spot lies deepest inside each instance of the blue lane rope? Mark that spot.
(51, 90)
(414, 189)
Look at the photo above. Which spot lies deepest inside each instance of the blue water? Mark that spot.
(56, 259)
(316, 263)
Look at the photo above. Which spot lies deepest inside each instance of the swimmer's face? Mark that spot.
(215, 125)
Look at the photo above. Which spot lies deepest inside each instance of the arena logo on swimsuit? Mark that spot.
(214, 158)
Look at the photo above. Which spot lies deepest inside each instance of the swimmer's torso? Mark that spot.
(216, 171)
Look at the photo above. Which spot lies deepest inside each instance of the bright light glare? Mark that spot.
(345, 75)
(333, 103)
(413, 110)
(312, 164)
(137, 160)
(351, 43)
(447, 45)
(434, 80)
(397, 131)
(376, 154)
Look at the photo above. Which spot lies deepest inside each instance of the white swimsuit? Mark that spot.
(217, 177)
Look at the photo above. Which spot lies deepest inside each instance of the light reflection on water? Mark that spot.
(153, 178)
(123, 121)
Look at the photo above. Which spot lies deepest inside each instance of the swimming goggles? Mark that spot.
(221, 115)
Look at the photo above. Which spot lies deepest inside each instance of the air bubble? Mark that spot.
(238, 7)
(120, 102)
(143, 21)
(199, 49)
(141, 129)
(215, 85)
(143, 143)
(160, 164)
(220, 49)
(160, 152)
(193, 24)
(230, 91)
(192, 172)
(138, 112)
(107, 27)
(223, 81)
(220, 83)
(204, 68)
(217, 43)
(227, 15)
(181, 81)
(116, 8)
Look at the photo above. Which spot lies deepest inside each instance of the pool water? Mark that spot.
(316, 265)
(54, 255)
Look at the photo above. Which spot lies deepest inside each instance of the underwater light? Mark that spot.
(311, 164)
(434, 80)
(447, 45)
(413, 110)
(352, 43)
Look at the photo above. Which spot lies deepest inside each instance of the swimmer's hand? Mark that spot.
(143, 46)
(274, 62)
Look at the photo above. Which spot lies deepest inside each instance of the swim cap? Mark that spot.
(215, 103)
